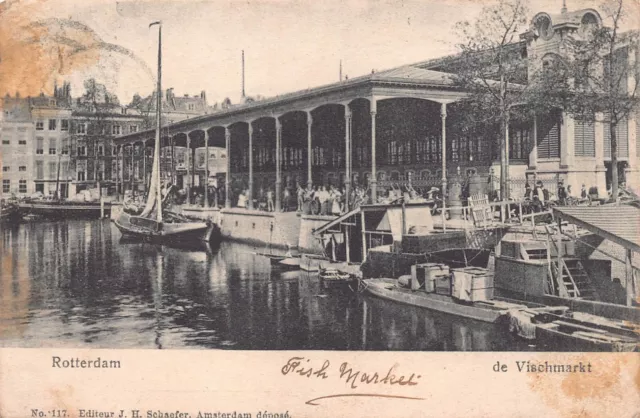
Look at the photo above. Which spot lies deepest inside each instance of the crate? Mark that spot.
(472, 284)
(422, 275)
(442, 285)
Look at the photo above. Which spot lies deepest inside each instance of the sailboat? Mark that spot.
(153, 223)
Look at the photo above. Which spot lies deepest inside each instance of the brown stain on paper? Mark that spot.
(36, 51)
(608, 390)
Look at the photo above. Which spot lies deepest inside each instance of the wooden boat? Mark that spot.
(331, 278)
(274, 259)
(9, 212)
(591, 334)
(312, 262)
(161, 226)
(64, 209)
(485, 311)
(288, 263)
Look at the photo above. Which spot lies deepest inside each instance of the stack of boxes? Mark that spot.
(432, 277)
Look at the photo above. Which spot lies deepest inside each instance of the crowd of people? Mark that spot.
(315, 200)
(540, 197)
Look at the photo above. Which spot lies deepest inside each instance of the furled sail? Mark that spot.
(152, 194)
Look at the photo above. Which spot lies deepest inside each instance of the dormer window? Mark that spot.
(588, 25)
(191, 106)
(543, 27)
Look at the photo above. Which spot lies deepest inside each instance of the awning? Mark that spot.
(390, 218)
(619, 224)
(336, 221)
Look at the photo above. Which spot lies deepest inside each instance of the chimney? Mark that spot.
(564, 7)
(340, 70)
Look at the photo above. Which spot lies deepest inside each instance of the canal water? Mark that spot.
(76, 284)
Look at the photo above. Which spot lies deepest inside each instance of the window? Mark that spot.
(82, 150)
(519, 142)
(39, 125)
(53, 170)
(22, 186)
(22, 168)
(115, 129)
(40, 146)
(549, 135)
(80, 175)
(22, 142)
(39, 169)
(53, 124)
(6, 142)
(100, 150)
(191, 106)
(6, 168)
(81, 128)
(6, 186)
(585, 138)
(133, 128)
(65, 147)
(621, 138)
(64, 125)
(52, 147)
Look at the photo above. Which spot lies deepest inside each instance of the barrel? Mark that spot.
(476, 185)
(453, 199)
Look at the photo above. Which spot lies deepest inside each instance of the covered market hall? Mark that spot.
(371, 134)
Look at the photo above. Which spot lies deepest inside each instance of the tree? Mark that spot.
(490, 68)
(600, 76)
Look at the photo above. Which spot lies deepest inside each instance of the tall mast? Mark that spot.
(156, 154)
(243, 95)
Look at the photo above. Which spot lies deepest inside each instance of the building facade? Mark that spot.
(60, 145)
(35, 144)
(579, 148)
(17, 148)
(94, 158)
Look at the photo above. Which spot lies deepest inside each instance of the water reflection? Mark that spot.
(76, 284)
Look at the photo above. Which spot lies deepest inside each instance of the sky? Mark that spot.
(289, 44)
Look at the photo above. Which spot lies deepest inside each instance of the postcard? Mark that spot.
(289, 208)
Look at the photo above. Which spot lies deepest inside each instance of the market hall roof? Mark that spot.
(408, 81)
(620, 224)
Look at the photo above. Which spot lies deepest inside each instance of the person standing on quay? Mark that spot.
(300, 196)
(270, 205)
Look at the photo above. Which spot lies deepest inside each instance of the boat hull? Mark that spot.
(554, 337)
(289, 263)
(180, 231)
(9, 213)
(65, 210)
(386, 289)
(312, 262)
(334, 279)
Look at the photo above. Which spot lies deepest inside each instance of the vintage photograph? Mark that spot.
(342, 175)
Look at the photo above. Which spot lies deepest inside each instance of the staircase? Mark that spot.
(573, 281)
(534, 251)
